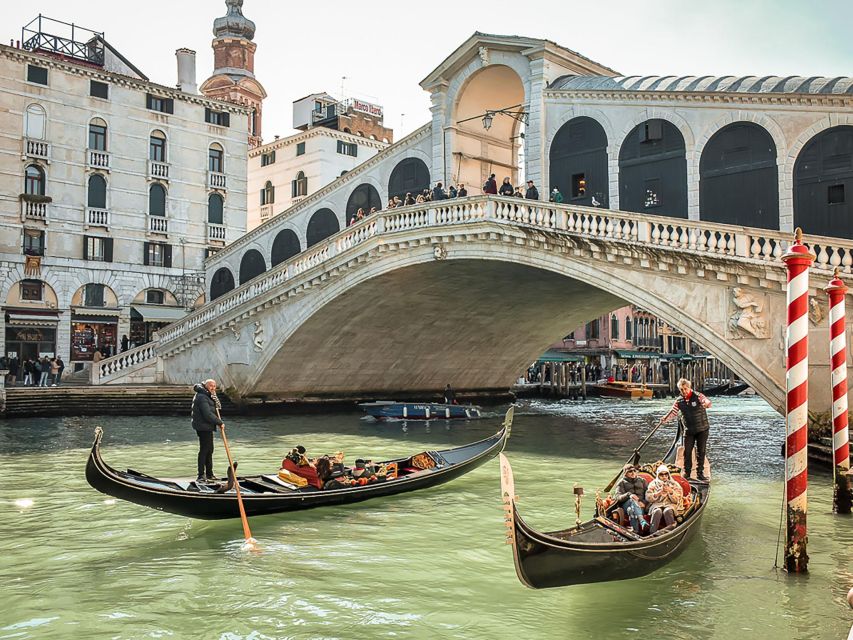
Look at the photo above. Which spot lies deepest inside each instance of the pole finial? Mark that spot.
(798, 235)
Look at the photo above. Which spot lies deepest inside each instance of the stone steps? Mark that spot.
(103, 400)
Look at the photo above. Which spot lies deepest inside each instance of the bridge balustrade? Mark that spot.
(697, 237)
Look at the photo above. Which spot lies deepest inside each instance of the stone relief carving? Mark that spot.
(258, 336)
(439, 252)
(816, 314)
(484, 55)
(748, 318)
(236, 332)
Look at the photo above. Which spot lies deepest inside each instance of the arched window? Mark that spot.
(222, 282)
(252, 265)
(97, 195)
(628, 333)
(157, 146)
(285, 245)
(34, 183)
(653, 170)
(823, 184)
(579, 162)
(156, 200)
(214, 208)
(299, 186)
(36, 122)
(409, 176)
(738, 179)
(268, 194)
(216, 158)
(98, 135)
(322, 224)
(364, 197)
(614, 327)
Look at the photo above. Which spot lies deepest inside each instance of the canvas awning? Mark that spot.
(560, 356)
(624, 353)
(94, 311)
(23, 319)
(155, 313)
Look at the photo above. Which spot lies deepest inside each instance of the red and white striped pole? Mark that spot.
(797, 259)
(841, 495)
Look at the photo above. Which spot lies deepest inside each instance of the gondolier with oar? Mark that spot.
(206, 420)
(692, 405)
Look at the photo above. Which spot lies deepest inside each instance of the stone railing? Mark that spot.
(98, 159)
(33, 211)
(215, 180)
(215, 232)
(675, 235)
(97, 217)
(118, 365)
(37, 149)
(158, 170)
(158, 224)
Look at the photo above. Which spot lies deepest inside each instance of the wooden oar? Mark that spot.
(634, 457)
(251, 544)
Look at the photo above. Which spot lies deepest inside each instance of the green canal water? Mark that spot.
(77, 564)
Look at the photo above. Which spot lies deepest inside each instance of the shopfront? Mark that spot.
(92, 332)
(145, 319)
(30, 335)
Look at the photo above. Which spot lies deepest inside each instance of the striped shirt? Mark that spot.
(675, 411)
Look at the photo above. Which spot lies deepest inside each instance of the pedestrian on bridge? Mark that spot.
(205, 420)
(532, 192)
(692, 406)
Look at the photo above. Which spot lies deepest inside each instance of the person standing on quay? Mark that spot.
(205, 420)
(692, 407)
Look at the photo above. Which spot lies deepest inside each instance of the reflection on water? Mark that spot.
(424, 565)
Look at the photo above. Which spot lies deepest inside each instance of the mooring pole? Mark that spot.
(842, 496)
(797, 259)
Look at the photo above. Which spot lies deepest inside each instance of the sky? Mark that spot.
(384, 48)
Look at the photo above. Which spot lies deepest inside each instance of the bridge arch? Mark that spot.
(653, 170)
(739, 178)
(364, 196)
(251, 265)
(322, 224)
(221, 283)
(286, 245)
(578, 161)
(823, 184)
(410, 175)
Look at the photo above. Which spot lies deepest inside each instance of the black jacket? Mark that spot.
(506, 189)
(204, 410)
(626, 487)
(532, 193)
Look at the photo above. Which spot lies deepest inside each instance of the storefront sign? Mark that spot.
(29, 335)
(367, 107)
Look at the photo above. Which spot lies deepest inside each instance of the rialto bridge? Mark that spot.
(697, 184)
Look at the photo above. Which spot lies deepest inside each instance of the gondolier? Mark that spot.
(205, 420)
(692, 405)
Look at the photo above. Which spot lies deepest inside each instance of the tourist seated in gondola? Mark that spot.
(331, 473)
(297, 462)
(665, 498)
(630, 495)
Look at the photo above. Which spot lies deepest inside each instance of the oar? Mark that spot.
(251, 544)
(634, 457)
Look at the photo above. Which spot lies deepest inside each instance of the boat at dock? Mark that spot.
(385, 409)
(619, 389)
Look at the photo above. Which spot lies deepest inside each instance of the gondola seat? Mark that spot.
(309, 473)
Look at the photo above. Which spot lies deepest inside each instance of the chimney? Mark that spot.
(186, 70)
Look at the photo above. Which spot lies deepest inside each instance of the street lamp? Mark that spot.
(487, 120)
(515, 112)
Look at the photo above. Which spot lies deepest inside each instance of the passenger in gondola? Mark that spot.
(449, 396)
(331, 473)
(665, 499)
(630, 496)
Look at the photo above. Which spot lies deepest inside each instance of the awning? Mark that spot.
(621, 353)
(17, 319)
(676, 356)
(155, 313)
(560, 356)
(94, 311)
(93, 319)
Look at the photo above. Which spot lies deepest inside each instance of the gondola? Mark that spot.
(266, 494)
(598, 550)
(384, 409)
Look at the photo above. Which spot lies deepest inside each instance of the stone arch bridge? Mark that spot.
(471, 291)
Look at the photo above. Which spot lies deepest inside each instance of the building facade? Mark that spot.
(113, 191)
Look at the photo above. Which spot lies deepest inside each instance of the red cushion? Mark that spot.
(646, 476)
(309, 473)
(685, 486)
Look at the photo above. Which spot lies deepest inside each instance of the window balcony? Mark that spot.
(98, 159)
(158, 224)
(215, 232)
(215, 180)
(37, 149)
(32, 210)
(266, 212)
(158, 170)
(97, 217)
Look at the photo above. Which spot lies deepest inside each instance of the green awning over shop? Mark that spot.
(676, 356)
(621, 353)
(560, 356)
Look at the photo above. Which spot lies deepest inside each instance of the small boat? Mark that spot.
(384, 409)
(265, 494)
(600, 549)
(630, 390)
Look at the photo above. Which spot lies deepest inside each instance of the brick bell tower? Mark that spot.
(233, 76)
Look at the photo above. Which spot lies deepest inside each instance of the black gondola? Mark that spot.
(264, 494)
(598, 550)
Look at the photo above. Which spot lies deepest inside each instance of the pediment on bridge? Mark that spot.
(479, 45)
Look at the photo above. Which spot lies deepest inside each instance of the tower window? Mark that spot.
(36, 74)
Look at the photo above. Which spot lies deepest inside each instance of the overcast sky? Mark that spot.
(385, 47)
